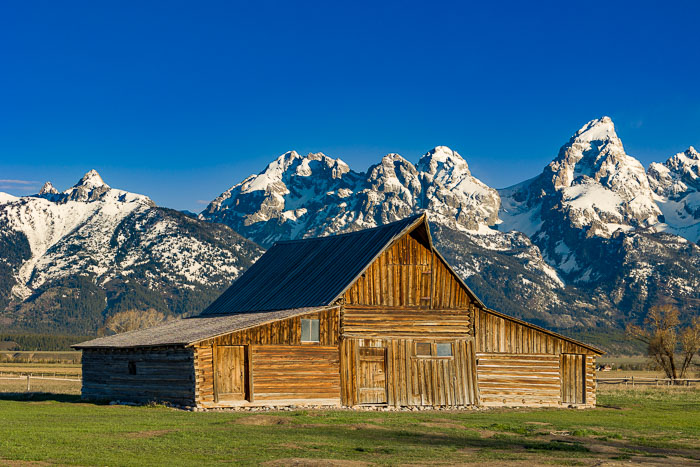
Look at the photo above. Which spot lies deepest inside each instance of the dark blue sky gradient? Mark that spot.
(180, 100)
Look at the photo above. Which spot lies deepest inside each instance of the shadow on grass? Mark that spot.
(378, 441)
(41, 397)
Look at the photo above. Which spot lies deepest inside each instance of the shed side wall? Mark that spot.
(513, 347)
(161, 374)
(264, 342)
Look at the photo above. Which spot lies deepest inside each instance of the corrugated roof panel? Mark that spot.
(306, 273)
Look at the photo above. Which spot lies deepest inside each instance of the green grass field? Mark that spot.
(652, 425)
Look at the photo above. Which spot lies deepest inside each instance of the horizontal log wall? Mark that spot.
(408, 274)
(161, 374)
(412, 380)
(381, 322)
(519, 379)
(590, 381)
(295, 372)
(286, 332)
(497, 334)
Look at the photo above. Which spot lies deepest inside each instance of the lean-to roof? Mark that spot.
(191, 330)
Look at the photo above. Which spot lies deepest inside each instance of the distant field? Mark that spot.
(651, 425)
(49, 357)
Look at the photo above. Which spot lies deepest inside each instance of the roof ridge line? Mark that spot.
(299, 240)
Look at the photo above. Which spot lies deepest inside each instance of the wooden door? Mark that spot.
(230, 373)
(372, 375)
(573, 379)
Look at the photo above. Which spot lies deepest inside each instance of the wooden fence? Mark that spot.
(639, 381)
(28, 377)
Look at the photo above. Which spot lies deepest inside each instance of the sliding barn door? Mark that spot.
(230, 373)
(372, 375)
(573, 379)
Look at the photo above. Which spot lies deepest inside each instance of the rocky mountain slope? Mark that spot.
(589, 242)
(70, 259)
(676, 183)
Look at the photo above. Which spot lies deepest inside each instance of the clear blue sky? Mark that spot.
(180, 100)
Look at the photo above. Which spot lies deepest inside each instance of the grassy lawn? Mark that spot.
(654, 425)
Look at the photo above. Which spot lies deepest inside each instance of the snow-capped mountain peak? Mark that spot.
(601, 129)
(676, 183)
(91, 179)
(48, 189)
(442, 159)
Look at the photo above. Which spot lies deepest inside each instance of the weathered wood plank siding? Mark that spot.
(410, 379)
(284, 334)
(371, 321)
(497, 334)
(408, 274)
(518, 379)
(284, 372)
(139, 375)
(507, 350)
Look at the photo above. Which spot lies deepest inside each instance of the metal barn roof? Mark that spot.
(311, 272)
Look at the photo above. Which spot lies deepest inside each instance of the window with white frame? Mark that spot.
(310, 330)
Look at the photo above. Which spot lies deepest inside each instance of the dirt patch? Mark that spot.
(13, 463)
(367, 426)
(147, 434)
(538, 423)
(295, 461)
(441, 425)
(619, 446)
(262, 420)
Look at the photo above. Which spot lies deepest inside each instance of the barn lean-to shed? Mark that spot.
(369, 317)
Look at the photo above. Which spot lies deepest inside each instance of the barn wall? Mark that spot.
(162, 374)
(412, 380)
(497, 334)
(518, 379)
(372, 321)
(408, 295)
(283, 372)
(519, 365)
(274, 336)
(408, 274)
(284, 332)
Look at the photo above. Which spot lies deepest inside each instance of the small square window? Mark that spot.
(444, 350)
(310, 330)
(423, 349)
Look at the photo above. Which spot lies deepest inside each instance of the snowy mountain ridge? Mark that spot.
(120, 240)
(319, 195)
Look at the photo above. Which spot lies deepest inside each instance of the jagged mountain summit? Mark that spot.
(318, 195)
(676, 182)
(73, 257)
(592, 189)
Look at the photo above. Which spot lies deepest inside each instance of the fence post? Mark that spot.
(29, 386)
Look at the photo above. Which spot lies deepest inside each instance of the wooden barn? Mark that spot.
(374, 317)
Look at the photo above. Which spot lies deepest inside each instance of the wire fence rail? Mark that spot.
(28, 377)
(641, 381)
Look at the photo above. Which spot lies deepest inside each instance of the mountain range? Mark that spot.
(592, 242)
